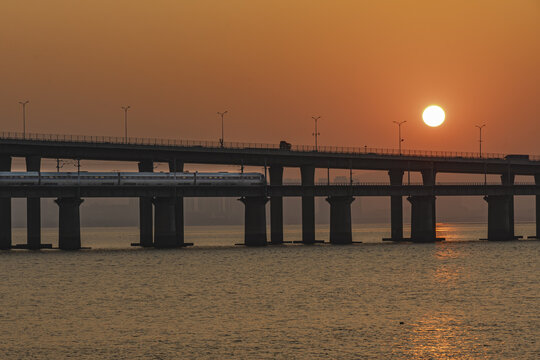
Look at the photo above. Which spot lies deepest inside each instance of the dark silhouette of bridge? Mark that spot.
(165, 228)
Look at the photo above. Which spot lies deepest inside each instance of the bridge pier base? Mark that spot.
(499, 218)
(396, 207)
(276, 207)
(5, 209)
(165, 222)
(254, 220)
(340, 219)
(33, 209)
(145, 210)
(423, 228)
(508, 180)
(69, 224)
(308, 205)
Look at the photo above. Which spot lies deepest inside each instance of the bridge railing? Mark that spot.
(89, 139)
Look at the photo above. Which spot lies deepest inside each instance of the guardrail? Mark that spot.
(86, 139)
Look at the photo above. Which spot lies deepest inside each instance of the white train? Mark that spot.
(130, 178)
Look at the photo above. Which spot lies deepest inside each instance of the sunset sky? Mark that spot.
(360, 65)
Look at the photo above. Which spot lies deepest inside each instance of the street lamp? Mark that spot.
(23, 103)
(316, 133)
(400, 140)
(125, 108)
(222, 114)
(480, 139)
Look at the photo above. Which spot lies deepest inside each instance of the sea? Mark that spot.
(459, 299)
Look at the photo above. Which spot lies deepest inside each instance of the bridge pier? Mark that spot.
(308, 205)
(178, 166)
(276, 207)
(145, 210)
(33, 209)
(508, 180)
(5, 209)
(340, 219)
(254, 220)
(396, 207)
(69, 224)
(422, 225)
(165, 235)
(537, 181)
(499, 217)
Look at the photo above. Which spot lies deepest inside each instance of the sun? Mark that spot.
(433, 115)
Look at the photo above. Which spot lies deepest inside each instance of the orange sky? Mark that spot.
(274, 64)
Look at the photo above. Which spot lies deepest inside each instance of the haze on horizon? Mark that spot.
(273, 64)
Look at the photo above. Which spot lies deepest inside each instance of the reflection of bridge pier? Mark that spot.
(537, 181)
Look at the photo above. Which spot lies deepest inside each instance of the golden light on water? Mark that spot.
(433, 115)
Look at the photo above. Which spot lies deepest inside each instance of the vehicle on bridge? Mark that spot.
(130, 178)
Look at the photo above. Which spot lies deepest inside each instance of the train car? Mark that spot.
(130, 178)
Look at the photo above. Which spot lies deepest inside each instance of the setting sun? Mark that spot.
(433, 115)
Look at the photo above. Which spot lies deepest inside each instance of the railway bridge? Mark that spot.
(168, 201)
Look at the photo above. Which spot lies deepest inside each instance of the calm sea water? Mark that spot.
(455, 300)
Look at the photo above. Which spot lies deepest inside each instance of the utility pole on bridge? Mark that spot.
(480, 139)
(400, 139)
(222, 114)
(23, 103)
(316, 133)
(125, 108)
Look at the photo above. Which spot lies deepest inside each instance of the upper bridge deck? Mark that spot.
(258, 154)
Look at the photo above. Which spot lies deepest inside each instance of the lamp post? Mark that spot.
(125, 108)
(23, 103)
(316, 133)
(400, 140)
(222, 114)
(480, 139)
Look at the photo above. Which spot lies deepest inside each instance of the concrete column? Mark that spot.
(422, 225)
(499, 218)
(254, 220)
(33, 209)
(5, 209)
(340, 219)
(145, 210)
(276, 206)
(428, 179)
(537, 181)
(178, 166)
(165, 222)
(308, 205)
(396, 206)
(69, 224)
(508, 180)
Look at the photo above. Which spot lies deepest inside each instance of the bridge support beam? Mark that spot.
(254, 220)
(145, 210)
(340, 219)
(396, 207)
(308, 205)
(422, 224)
(276, 207)
(69, 224)
(33, 209)
(537, 181)
(178, 166)
(499, 218)
(5, 209)
(165, 223)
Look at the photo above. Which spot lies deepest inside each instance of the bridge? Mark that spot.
(166, 228)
